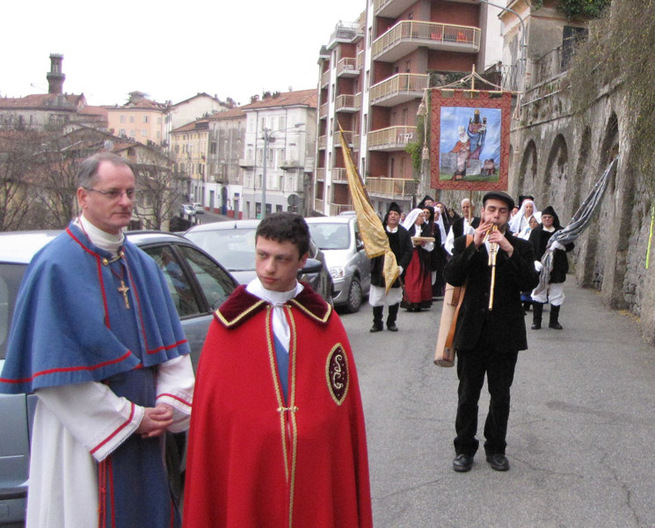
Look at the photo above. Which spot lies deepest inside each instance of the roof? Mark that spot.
(67, 102)
(298, 98)
(199, 94)
(233, 113)
(193, 126)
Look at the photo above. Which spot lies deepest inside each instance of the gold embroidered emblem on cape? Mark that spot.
(337, 375)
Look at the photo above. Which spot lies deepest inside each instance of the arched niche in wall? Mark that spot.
(528, 172)
(556, 176)
(576, 185)
(595, 262)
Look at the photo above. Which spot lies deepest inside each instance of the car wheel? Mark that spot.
(354, 301)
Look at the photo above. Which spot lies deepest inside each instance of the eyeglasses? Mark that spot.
(114, 194)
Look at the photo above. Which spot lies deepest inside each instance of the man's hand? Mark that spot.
(155, 421)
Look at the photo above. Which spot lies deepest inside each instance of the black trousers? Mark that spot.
(472, 365)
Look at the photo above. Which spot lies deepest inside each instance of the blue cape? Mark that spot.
(70, 324)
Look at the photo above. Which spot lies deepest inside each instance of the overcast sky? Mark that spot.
(169, 50)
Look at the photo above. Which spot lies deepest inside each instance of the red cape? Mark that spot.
(255, 460)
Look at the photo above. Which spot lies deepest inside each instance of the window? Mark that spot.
(122, 118)
(144, 132)
(178, 284)
(145, 118)
(214, 283)
(131, 119)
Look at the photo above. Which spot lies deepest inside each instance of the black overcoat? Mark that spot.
(400, 243)
(504, 324)
(539, 239)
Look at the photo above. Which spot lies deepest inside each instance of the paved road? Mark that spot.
(581, 432)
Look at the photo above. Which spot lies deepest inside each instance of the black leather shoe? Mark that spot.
(462, 463)
(376, 328)
(498, 462)
(536, 326)
(556, 326)
(392, 327)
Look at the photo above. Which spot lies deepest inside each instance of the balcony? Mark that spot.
(247, 164)
(408, 35)
(360, 60)
(399, 188)
(393, 8)
(290, 164)
(347, 67)
(320, 175)
(348, 103)
(398, 89)
(391, 138)
(339, 175)
(322, 142)
(323, 111)
(336, 208)
(348, 136)
(325, 78)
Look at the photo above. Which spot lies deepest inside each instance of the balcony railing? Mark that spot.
(393, 8)
(320, 174)
(246, 163)
(325, 78)
(391, 138)
(391, 187)
(348, 103)
(347, 67)
(323, 111)
(318, 205)
(322, 142)
(407, 35)
(348, 136)
(339, 175)
(360, 60)
(337, 208)
(398, 89)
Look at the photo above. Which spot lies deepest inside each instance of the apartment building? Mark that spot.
(224, 185)
(373, 76)
(278, 162)
(140, 119)
(189, 152)
(195, 107)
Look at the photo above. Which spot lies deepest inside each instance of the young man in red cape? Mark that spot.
(277, 436)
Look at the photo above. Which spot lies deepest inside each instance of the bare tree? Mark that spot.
(160, 189)
(20, 167)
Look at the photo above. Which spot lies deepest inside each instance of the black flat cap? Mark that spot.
(499, 195)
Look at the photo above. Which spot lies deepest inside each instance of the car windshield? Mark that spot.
(10, 277)
(330, 236)
(233, 248)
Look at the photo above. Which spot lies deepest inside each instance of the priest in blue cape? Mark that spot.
(96, 337)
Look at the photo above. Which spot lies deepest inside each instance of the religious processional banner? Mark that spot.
(469, 139)
(374, 237)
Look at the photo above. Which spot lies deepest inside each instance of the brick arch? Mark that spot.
(527, 180)
(556, 175)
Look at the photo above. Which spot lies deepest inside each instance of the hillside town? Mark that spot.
(473, 177)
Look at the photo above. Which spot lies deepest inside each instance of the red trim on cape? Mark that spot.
(67, 369)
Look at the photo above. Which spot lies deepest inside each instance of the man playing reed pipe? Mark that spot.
(496, 267)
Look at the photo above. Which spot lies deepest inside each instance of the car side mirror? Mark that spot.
(359, 244)
(312, 266)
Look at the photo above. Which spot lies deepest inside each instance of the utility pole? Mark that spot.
(268, 138)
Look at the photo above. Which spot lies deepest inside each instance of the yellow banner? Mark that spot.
(376, 242)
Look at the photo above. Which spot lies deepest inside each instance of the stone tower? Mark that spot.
(55, 76)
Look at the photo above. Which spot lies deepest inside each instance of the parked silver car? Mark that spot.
(200, 288)
(232, 243)
(338, 238)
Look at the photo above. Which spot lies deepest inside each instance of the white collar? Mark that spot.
(275, 298)
(100, 238)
